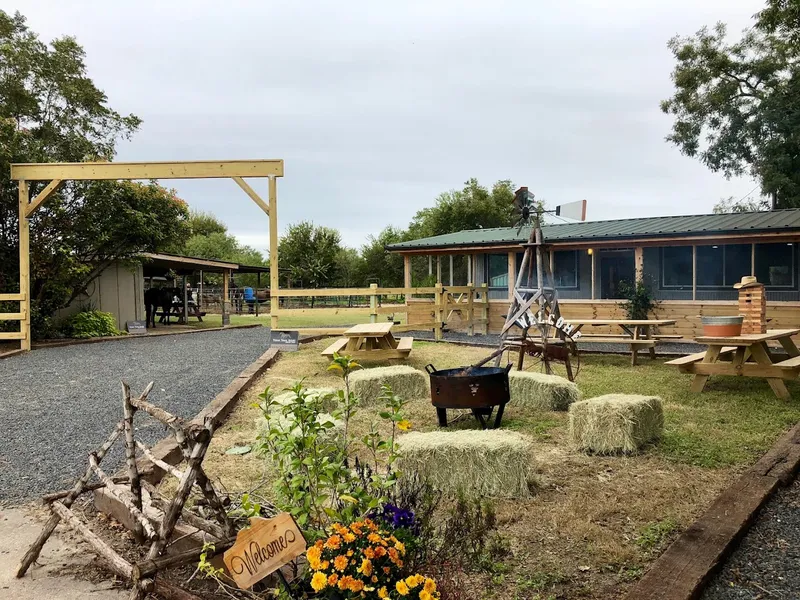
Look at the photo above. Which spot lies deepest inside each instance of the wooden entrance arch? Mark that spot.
(56, 173)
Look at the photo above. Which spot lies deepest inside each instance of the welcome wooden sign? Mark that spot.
(263, 548)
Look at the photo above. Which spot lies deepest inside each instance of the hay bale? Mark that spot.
(284, 398)
(407, 382)
(541, 391)
(494, 463)
(615, 423)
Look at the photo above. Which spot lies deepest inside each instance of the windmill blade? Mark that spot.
(572, 210)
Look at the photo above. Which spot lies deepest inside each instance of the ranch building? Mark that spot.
(690, 263)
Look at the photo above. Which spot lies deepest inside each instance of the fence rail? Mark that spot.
(434, 312)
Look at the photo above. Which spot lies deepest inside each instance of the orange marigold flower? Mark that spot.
(370, 524)
(374, 579)
(411, 581)
(401, 588)
(314, 554)
(387, 570)
(319, 581)
(401, 547)
(369, 552)
(349, 553)
(349, 537)
(325, 564)
(393, 555)
(423, 595)
(430, 586)
(382, 593)
(356, 585)
(380, 552)
(366, 567)
(332, 579)
(334, 542)
(340, 562)
(375, 538)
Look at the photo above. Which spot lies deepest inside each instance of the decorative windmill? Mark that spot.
(534, 304)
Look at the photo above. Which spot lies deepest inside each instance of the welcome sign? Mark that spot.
(560, 323)
(263, 548)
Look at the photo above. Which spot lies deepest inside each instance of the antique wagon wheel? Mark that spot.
(563, 360)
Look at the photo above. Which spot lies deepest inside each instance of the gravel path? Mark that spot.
(58, 404)
(767, 562)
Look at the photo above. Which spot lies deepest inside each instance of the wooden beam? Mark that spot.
(15, 335)
(512, 273)
(406, 271)
(752, 259)
(638, 258)
(206, 169)
(439, 270)
(24, 268)
(694, 272)
(594, 274)
(252, 193)
(12, 316)
(274, 283)
(12, 297)
(452, 279)
(43, 195)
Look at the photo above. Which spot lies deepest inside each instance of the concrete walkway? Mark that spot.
(17, 532)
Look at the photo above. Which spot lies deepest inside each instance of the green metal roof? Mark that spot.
(618, 229)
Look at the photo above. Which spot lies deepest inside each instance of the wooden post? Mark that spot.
(638, 259)
(430, 265)
(24, 267)
(438, 269)
(373, 302)
(553, 267)
(470, 278)
(694, 272)
(130, 456)
(258, 285)
(226, 320)
(200, 293)
(407, 273)
(471, 309)
(753, 260)
(485, 307)
(512, 273)
(594, 274)
(451, 271)
(185, 301)
(437, 299)
(274, 283)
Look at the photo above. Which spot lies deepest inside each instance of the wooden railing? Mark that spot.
(13, 316)
(439, 304)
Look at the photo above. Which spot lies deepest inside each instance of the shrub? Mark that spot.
(89, 324)
(639, 301)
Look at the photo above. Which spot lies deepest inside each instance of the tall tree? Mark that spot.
(50, 110)
(204, 223)
(737, 104)
(473, 207)
(309, 252)
(379, 265)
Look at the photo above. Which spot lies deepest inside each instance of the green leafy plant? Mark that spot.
(639, 301)
(89, 324)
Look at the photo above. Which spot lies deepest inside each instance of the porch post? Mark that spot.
(407, 272)
(694, 272)
(185, 301)
(512, 273)
(594, 274)
(226, 273)
(439, 268)
(470, 278)
(451, 271)
(430, 265)
(274, 283)
(638, 257)
(753, 260)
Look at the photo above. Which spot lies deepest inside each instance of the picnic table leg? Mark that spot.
(762, 357)
(634, 353)
(699, 381)
(648, 336)
(789, 346)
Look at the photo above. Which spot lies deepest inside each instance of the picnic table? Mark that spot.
(745, 355)
(638, 333)
(372, 341)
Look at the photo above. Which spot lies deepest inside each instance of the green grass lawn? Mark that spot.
(595, 523)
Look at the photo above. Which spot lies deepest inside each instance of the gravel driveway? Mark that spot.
(767, 562)
(58, 404)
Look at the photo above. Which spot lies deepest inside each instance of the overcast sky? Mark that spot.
(377, 107)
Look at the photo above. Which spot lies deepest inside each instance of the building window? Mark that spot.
(775, 265)
(723, 265)
(676, 267)
(565, 269)
(497, 271)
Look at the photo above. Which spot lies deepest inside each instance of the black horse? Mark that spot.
(158, 298)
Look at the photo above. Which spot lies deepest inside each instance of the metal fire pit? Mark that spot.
(479, 389)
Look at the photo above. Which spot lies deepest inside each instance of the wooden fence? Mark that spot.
(433, 308)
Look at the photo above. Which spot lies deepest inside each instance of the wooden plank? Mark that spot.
(743, 370)
(691, 358)
(12, 335)
(629, 322)
(19, 297)
(306, 312)
(763, 358)
(24, 267)
(369, 329)
(783, 459)
(12, 316)
(336, 346)
(749, 338)
(790, 363)
(274, 280)
(613, 340)
(147, 170)
(42, 197)
(687, 565)
(252, 193)
(699, 381)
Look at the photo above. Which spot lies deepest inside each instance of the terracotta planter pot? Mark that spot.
(722, 326)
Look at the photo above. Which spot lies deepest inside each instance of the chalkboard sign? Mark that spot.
(136, 327)
(288, 341)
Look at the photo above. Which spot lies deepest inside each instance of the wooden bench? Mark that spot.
(697, 357)
(405, 344)
(617, 340)
(789, 363)
(336, 346)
